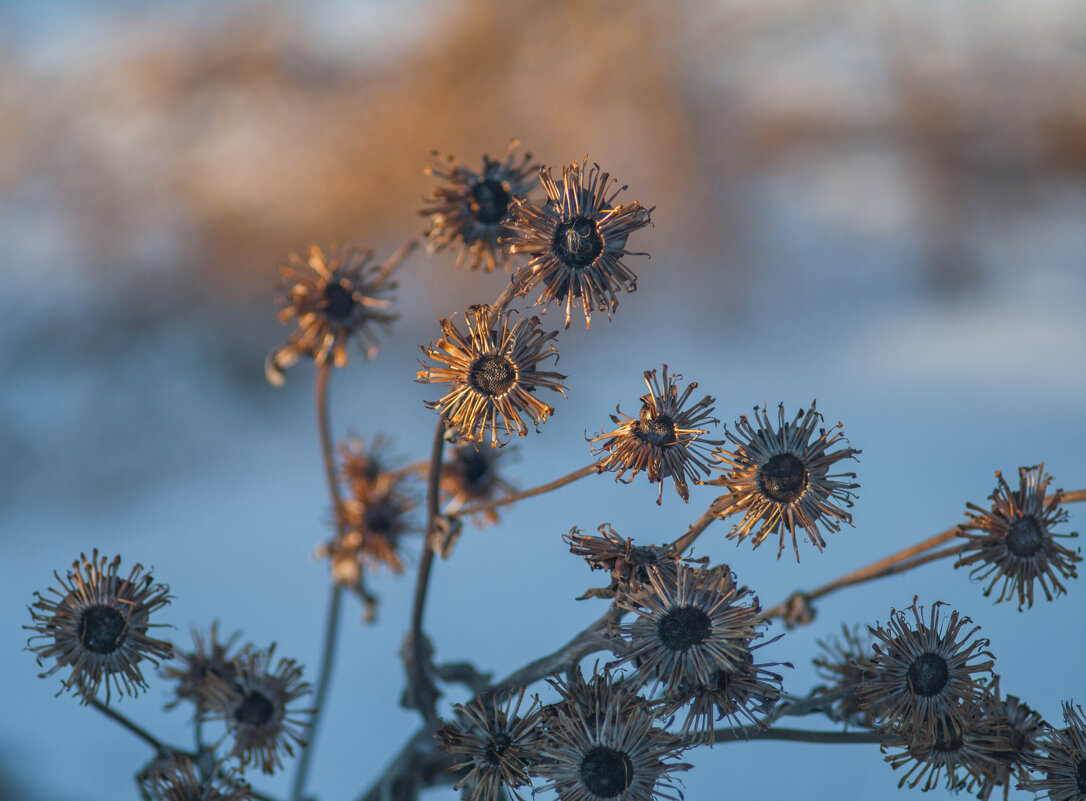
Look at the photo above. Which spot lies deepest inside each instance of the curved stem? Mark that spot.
(137, 730)
(331, 625)
(587, 470)
(695, 531)
(899, 562)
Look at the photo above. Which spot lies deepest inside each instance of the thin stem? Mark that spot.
(331, 624)
(592, 639)
(795, 735)
(324, 371)
(137, 730)
(509, 292)
(587, 470)
(695, 531)
(404, 251)
(419, 662)
(895, 563)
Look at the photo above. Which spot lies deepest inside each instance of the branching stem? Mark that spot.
(907, 559)
(486, 506)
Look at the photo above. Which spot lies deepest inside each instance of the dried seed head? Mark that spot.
(576, 241)
(333, 300)
(98, 626)
(256, 707)
(1014, 541)
(690, 624)
(601, 743)
(779, 479)
(924, 676)
(664, 440)
(468, 209)
(493, 370)
(500, 745)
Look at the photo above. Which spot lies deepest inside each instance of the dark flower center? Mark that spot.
(783, 478)
(683, 627)
(492, 375)
(928, 674)
(1025, 537)
(475, 468)
(255, 710)
(606, 772)
(102, 629)
(381, 517)
(497, 746)
(489, 201)
(654, 430)
(338, 302)
(946, 745)
(577, 242)
(1080, 775)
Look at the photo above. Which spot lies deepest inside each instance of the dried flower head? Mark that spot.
(627, 563)
(500, 746)
(964, 754)
(208, 660)
(840, 665)
(742, 695)
(576, 240)
(663, 439)
(179, 780)
(332, 301)
(690, 623)
(1064, 760)
(255, 708)
(1015, 541)
(470, 475)
(601, 743)
(923, 680)
(779, 479)
(467, 209)
(1019, 730)
(98, 626)
(493, 372)
(374, 517)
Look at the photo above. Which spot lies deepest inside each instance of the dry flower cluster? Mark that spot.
(684, 636)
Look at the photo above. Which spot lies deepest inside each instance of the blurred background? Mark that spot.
(880, 206)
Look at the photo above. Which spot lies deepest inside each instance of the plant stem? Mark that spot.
(907, 559)
(419, 667)
(594, 638)
(331, 624)
(587, 470)
(404, 251)
(797, 735)
(508, 293)
(695, 531)
(137, 730)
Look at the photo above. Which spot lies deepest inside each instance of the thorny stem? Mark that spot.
(486, 506)
(137, 730)
(331, 625)
(419, 666)
(896, 563)
(695, 531)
